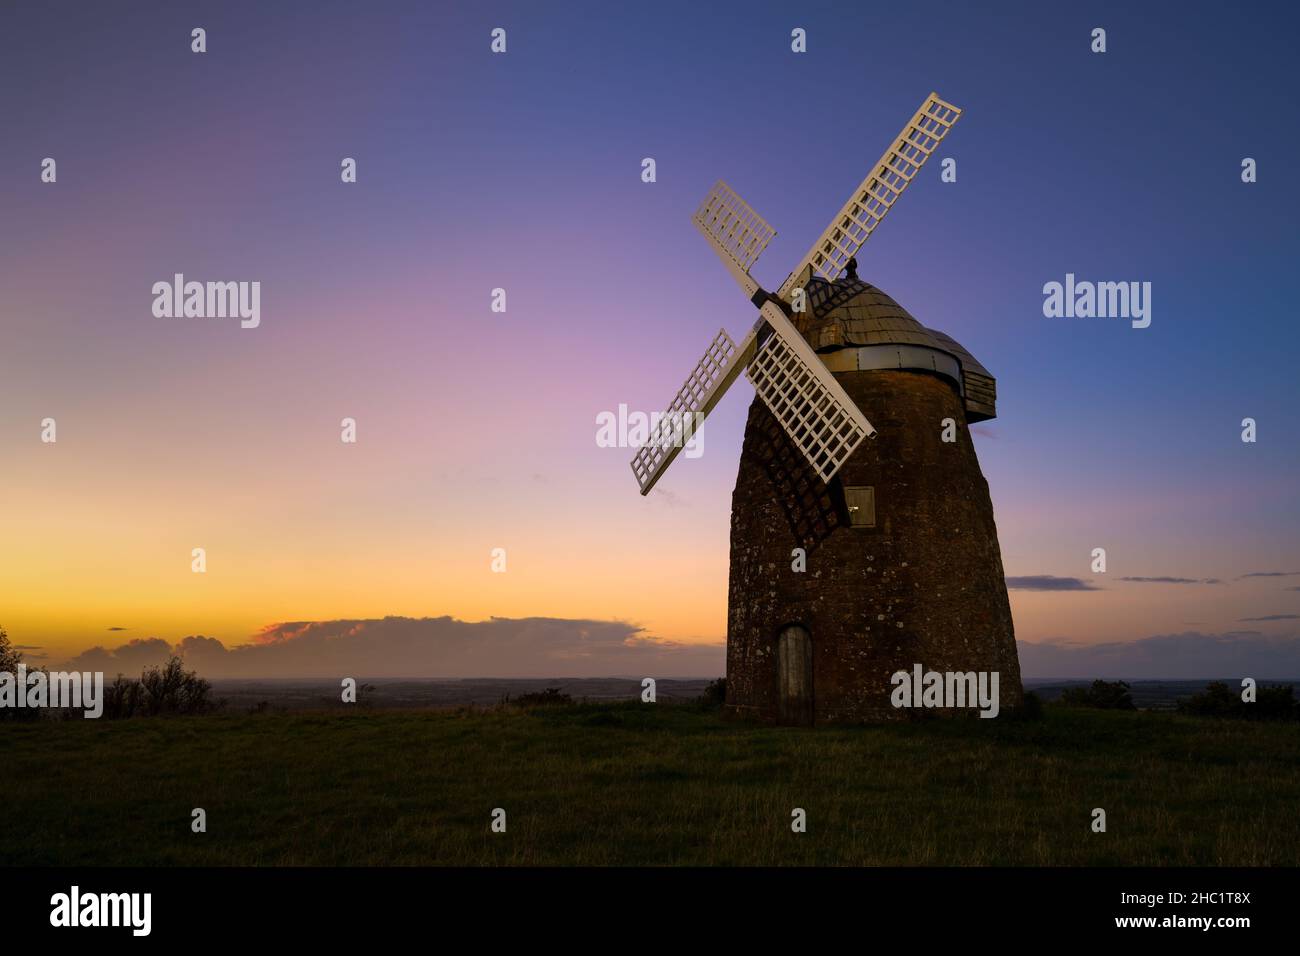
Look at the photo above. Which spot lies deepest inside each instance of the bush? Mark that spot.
(547, 698)
(1031, 708)
(166, 690)
(121, 698)
(1274, 703)
(171, 689)
(715, 694)
(1220, 700)
(1104, 695)
(10, 658)
(1215, 701)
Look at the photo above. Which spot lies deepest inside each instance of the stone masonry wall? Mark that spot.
(925, 585)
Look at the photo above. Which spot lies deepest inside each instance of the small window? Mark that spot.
(862, 506)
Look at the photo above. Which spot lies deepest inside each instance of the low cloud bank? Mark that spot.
(1184, 656)
(1048, 582)
(425, 647)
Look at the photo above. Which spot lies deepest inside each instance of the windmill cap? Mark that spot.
(851, 314)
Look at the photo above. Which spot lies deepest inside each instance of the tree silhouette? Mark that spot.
(9, 658)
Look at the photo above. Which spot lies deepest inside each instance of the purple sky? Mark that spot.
(522, 171)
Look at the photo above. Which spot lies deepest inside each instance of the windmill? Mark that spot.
(899, 552)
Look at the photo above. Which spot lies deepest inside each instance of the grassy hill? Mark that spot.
(630, 783)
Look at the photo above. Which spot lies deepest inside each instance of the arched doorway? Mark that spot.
(794, 675)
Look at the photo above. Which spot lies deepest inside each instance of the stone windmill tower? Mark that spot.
(850, 561)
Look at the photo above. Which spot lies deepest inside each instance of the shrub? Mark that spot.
(171, 689)
(121, 698)
(1217, 700)
(548, 697)
(1220, 700)
(1274, 703)
(10, 658)
(166, 690)
(715, 694)
(1031, 708)
(1104, 695)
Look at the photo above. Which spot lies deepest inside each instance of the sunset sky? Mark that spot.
(522, 171)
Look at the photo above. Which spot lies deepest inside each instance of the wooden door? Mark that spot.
(795, 672)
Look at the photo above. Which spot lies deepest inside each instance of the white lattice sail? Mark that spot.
(815, 411)
(712, 376)
(733, 224)
(735, 231)
(878, 192)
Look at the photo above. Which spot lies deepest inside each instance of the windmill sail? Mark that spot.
(737, 234)
(878, 192)
(815, 411)
(707, 383)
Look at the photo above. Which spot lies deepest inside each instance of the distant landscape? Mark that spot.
(390, 693)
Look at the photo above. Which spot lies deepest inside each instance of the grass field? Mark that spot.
(630, 783)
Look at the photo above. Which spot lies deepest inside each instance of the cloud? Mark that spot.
(1186, 656)
(128, 659)
(1048, 582)
(427, 647)
(1164, 580)
(1270, 574)
(119, 629)
(1272, 617)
